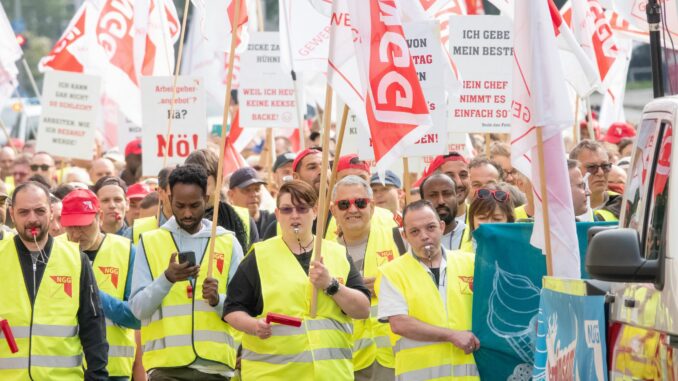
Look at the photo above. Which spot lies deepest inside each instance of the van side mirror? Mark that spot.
(615, 255)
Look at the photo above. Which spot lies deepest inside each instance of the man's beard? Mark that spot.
(449, 217)
(42, 233)
(187, 227)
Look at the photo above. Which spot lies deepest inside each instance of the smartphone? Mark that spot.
(187, 256)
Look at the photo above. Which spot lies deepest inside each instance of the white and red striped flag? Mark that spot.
(10, 52)
(397, 112)
(540, 102)
(71, 51)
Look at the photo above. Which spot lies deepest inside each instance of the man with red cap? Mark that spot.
(456, 166)
(352, 165)
(111, 256)
(132, 172)
(135, 193)
(618, 131)
(307, 167)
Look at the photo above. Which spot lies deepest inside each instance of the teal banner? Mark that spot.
(506, 287)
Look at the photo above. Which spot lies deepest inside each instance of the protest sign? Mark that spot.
(189, 121)
(70, 107)
(507, 285)
(427, 55)
(482, 48)
(266, 93)
(570, 342)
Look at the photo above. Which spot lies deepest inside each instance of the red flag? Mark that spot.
(396, 108)
(233, 160)
(64, 55)
(475, 7)
(242, 15)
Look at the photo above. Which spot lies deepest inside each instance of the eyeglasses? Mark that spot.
(360, 203)
(43, 167)
(289, 209)
(593, 168)
(498, 194)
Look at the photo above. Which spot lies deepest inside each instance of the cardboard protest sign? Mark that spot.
(189, 121)
(70, 107)
(266, 93)
(482, 48)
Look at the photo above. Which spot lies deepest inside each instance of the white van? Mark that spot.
(641, 256)
(21, 116)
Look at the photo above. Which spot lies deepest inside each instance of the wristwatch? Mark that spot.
(333, 288)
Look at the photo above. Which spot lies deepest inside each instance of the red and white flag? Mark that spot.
(10, 52)
(71, 51)
(397, 112)
(595, 36)
(612, 107)
(580, 72)
(540, 102)
(475, 7)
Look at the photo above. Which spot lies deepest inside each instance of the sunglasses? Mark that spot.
(43, 167)
(593, 168)
(497, 194)
(290, 209)
(360, 203)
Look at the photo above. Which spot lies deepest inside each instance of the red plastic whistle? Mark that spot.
(9, 336)
(34, 231)
(283, 319)
(189, 291)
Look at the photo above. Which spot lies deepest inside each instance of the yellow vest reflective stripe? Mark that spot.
(606, 215)
(184, 328)
(321, 347)
(520, 213)
(143, 225)
(372, 339)
(244, 215)
(382, 218)
(46, 333)
(417, 360)
(111, 269)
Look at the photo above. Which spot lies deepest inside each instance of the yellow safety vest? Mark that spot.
(9, 184)
(47, 332)
(244, 215)
(520, 213)
(111, 269)
(318, 350)
(606, 215)
(381, 217)
(372, 339)
(143, 225)
(185, 328)
(417, 360)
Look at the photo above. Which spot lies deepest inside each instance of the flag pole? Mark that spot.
(9, 139)
(297, 100)
(337, 154)
(31, 78)
(589, 125)
(222, 140)
(544, 202)
(488, 144)
(575, 128)
(322, 213)
(406, 180)
(187, 3)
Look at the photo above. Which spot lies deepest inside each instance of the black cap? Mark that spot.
(287, 157)
(244, 177)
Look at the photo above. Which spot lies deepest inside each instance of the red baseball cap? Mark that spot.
(301, 155)
(138, 190)
(79, 208)
(619, 131)
(133, 147)
(352, 161)
(437, 162)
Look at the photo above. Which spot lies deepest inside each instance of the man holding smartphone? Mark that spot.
(182, 333)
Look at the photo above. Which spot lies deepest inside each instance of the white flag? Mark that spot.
(10, 52)
(540, 102)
